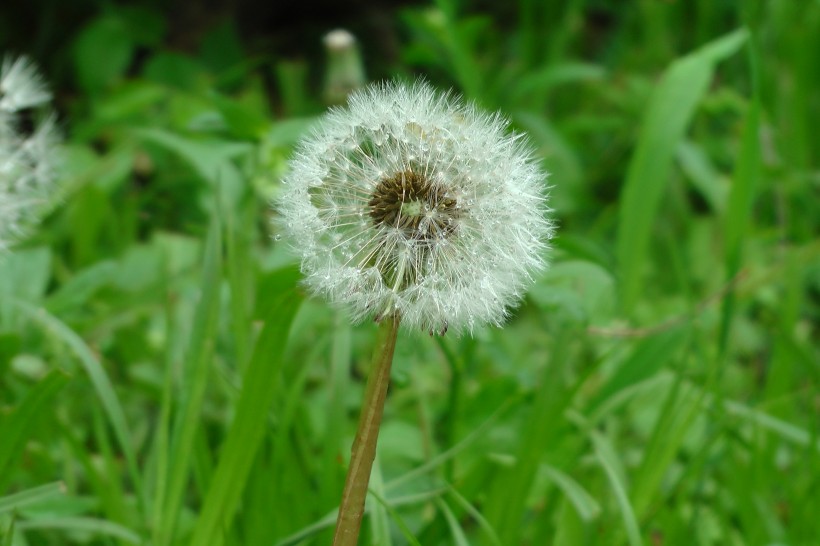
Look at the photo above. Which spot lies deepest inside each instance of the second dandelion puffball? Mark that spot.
(28, 155)
(412, 202)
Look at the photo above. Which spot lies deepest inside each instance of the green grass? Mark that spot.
(164, 381)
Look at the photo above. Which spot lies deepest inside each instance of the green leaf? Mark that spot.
(99, 379)
(9, 347)
(605, 453)
(88, 525)
(458, 538)
(24, 274)
(669, 432)
(704, 176)
(379, 522)
(586, 506)
(741, 198)
(188, 421)
(245, 121)
(649, 357)
(667, 116)
(403, 528)
(287, 132)
(175, 70)
(784, 429)
(81, 287)
(16, 427)
(102, 53)
(210, 159)
(540, 82)
(583, 290)
(248, 428)
(31, 496)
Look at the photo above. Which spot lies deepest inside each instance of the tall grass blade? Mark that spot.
(31, 496)
(188, 421)
(99, 379)
(606, 456)
(16, 427)
(668, 114)
(246, 432)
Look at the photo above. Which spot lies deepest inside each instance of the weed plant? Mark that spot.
(164, 381)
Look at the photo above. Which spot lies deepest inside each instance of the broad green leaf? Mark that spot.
(245, 121)
(102, 53)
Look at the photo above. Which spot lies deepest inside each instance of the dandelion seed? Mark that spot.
(410, 201)
(27, 159)
(21, 86)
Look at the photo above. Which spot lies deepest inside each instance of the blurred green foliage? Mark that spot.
(163, 382)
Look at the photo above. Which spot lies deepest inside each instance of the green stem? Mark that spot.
(351, 508)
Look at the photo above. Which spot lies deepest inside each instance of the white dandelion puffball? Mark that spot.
(27, 158)
(412, 202)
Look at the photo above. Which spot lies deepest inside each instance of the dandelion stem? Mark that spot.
(351, 508)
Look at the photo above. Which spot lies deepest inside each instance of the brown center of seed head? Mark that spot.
(410, 202)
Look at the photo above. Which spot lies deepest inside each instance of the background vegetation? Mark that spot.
(162, 382)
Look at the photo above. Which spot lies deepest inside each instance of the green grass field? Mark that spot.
(164, 380)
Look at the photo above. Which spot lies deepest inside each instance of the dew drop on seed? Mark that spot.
(329, 153)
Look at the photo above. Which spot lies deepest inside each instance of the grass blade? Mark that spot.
(741, 197)
(379, 522)
(670, 109)
(245, 435)
(491, 535)
(457, 533)
(199, 357)
(99, 379)
(30, 496)
(587, 507)
(14, 429)
(88, 525)
(606, 456)
(403, 528)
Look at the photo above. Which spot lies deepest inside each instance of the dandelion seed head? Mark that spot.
(410, 201)
(27, 158)
(21, 86)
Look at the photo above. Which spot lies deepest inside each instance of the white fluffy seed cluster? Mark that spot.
(412, 202)
(27, 157)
